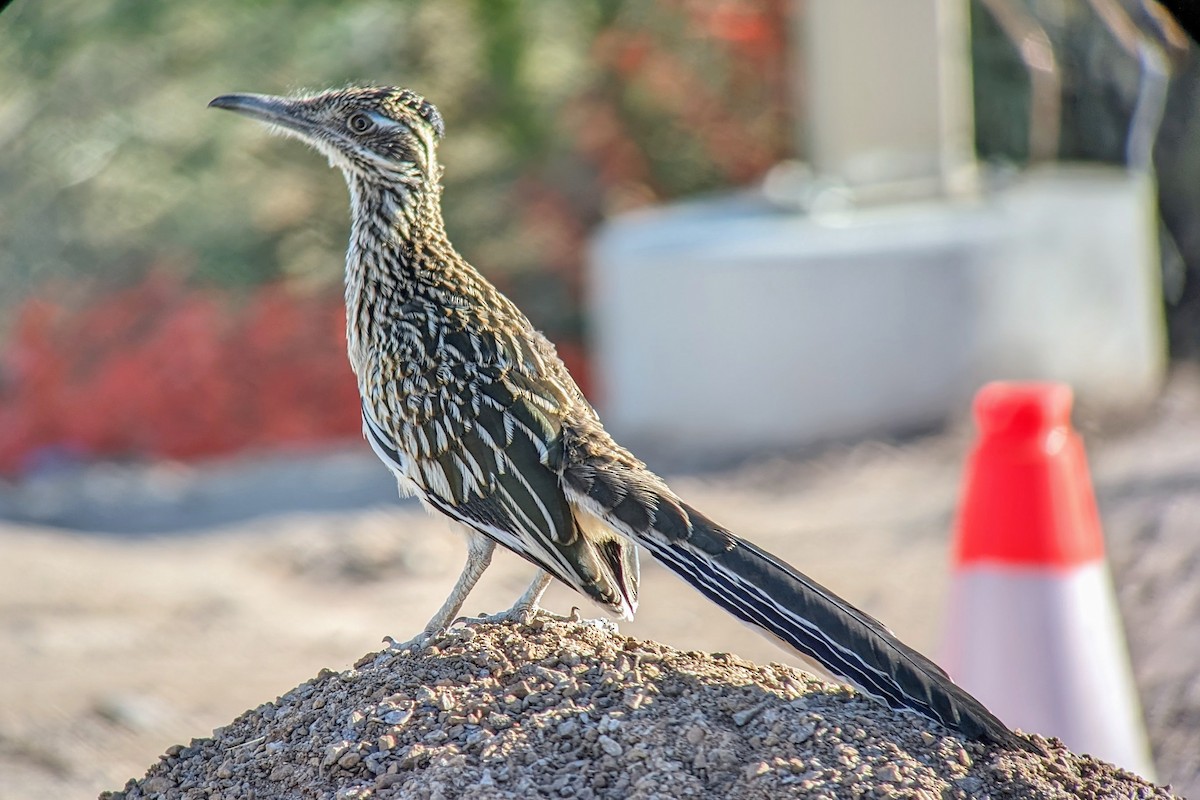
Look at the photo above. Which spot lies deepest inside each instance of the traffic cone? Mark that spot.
(1033, 629)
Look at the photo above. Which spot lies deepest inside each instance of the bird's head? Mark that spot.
(376, 135)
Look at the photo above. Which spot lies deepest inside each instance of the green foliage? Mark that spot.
(114, 165)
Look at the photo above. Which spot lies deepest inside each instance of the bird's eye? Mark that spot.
(360, 123)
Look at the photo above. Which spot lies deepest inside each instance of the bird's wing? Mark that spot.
(489, 458)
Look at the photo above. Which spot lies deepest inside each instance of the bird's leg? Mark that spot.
(527, 604)
(479, 556)
(526, 608)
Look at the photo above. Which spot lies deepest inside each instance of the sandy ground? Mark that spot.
(142, 607)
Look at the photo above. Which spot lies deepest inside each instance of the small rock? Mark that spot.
(969, 784)
(740, 718)
(389, 779)
(722, 756)
(888, 773)
(157, 785)
(334, 752)
(610, 746)
(802, 734)
(398, 717)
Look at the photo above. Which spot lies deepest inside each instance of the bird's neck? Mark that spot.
(398, 252)
(395, 231)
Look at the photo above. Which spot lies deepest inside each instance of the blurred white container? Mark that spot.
(728, 324)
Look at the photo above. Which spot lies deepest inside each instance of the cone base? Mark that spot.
(1044, 650)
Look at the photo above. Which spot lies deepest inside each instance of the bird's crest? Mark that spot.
(423, 108)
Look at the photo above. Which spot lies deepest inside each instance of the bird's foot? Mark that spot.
(428, 636)
(525, 616)
(415, 644)
(519, 615)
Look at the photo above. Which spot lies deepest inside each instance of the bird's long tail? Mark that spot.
(764, 591)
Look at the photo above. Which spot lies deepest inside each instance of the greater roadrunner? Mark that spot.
(475, 414)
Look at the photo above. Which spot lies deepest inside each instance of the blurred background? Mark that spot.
(170, 281)
(643, 179)
(198, 258)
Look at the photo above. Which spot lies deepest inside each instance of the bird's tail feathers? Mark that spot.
(771, 595)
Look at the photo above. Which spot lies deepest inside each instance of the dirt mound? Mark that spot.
(564, 709)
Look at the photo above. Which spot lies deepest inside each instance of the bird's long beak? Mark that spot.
(266, 108)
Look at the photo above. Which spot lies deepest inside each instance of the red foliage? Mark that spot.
(160, 370)
(164, 371)
(751, 34)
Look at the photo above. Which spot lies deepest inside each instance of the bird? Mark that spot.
(472, 410)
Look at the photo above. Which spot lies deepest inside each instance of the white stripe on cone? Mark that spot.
(1044, 650)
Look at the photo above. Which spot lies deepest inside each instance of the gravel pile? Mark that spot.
(567, 709)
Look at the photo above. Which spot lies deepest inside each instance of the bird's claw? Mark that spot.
(415, 644)
(517, 615)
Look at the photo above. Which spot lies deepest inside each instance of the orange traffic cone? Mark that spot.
(1033, 628)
